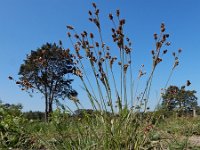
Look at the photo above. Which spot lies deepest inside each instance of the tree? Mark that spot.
(46, 70)
(179, 99)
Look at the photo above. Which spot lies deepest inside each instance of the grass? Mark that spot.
(99, 132)
(93, 133)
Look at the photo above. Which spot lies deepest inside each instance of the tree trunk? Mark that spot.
(50, 107)
(46, 108)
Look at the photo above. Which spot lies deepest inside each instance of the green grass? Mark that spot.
(128, 130)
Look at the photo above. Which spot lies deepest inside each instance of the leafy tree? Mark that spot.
(176, 98)
(46, 70)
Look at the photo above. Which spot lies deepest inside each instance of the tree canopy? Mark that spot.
(176, 98)
(46, 70)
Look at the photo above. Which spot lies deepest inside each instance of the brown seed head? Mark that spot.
(113, 30)
(152, 52)
(76, 36)
(94, 5)
(10, 78)
(18, 82)
(102, 59)
(97, 44)
(110, 16)
(168, 44)
(78, 72)
(164, 38)
(96, 21)
(141, 73)
(85, 33)
(165, 51)
(97, 12)
(91, 19)
(90, 13)
(100, 53)
(68, 34)
(122, 22)
(155, 35)
(158, 45)
(119, 31)
(176, 63)
(70, 27)
(162, 27)
(117, 13)
(188, 83)
(159, 60)
(125, 68)
(167, 35)
(91, 35)
(111, 62)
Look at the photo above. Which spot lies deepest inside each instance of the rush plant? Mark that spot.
(106, 75)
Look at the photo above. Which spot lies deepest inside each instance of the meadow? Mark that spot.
(119, 117)
(97, 131)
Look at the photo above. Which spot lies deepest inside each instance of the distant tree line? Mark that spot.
(180, 100)
(34, 115)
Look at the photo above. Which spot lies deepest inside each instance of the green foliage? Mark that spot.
(34, 115)
(45, 70)
(100, 131)
(12, 133)
(179, 99)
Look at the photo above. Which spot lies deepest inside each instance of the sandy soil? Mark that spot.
(195, 140)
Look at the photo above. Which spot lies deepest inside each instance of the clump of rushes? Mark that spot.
(114, 126)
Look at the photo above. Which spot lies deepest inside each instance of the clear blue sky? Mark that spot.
(26, 25)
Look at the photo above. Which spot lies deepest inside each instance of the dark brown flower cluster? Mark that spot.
(176, 58)
(98, 53)
(160, 40)
(94, 17)
(141, 71)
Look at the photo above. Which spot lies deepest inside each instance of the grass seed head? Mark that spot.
(110, 16)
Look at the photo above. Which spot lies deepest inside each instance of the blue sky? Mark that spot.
(26, 25)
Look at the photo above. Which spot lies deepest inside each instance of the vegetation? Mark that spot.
(112, 123)
(34, 115)
(65, 131)
(45, 70)
(181, 100)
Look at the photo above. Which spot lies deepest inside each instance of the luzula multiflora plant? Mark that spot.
(111, 72)
(104, 77)
(102, 61)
